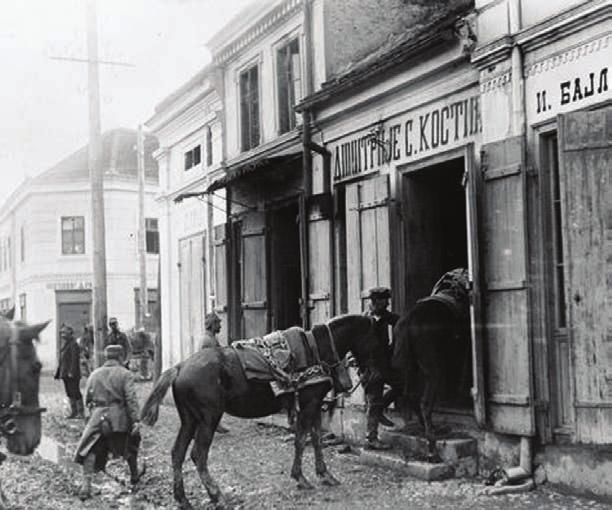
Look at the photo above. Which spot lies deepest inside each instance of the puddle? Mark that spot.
(49, 449)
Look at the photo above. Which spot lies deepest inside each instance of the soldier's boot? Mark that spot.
(372, 442)
(73, 410)
(387, 400)
(88, 468)
(80, 409)
(136, 472)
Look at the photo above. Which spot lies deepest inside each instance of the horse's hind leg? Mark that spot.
(199, 455)
(321, 469)
(302, 426)
(184, 437)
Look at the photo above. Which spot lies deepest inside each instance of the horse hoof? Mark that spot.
(329, 480)
(305, 485)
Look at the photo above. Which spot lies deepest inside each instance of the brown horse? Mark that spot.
(20, 369)
(212, 382)
(424, 338)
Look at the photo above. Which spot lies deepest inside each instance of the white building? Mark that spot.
(46, 240)
(188, 125)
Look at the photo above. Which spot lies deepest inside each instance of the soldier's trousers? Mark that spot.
(377, 400)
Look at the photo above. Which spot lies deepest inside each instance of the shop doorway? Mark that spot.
(436, 241)
(285, 267)
(74, 309)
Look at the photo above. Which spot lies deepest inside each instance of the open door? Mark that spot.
(254, 275)
(585, 151)
(505, 288)
(473, 186)
(320, 238)
(367, 239)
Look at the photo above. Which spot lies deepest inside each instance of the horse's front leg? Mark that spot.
(301, 428)
(321, 469)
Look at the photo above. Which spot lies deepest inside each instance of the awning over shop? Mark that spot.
(240, 170)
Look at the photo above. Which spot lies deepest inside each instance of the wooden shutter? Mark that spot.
(504, 260)
(367, 239)
(254, 275)
(221, 280)
(320, 258)
(197, 301)
(586, 177)
(185, 293)
(473, 187)
(254, 106)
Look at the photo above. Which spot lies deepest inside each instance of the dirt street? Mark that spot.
(251, 463)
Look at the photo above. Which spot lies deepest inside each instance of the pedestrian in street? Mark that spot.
(69, 371)
(212, 326)
(86, 348)
(118, 337)
(377, 371)
(113, 426)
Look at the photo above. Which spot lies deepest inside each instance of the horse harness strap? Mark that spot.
(332, 345)
(314, 348)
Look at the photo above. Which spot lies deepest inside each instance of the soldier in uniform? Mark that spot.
(69, 371)
(212, 326)
(118, 337)
(378, 371)
(113, 426)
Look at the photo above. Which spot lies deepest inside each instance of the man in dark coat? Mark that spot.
(378, 371)
(69, 371)
(118, 337)
(113, 426)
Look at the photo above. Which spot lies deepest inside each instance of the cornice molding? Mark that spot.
(251, 35)
(573, 54)
(493, 53)
(496, 82)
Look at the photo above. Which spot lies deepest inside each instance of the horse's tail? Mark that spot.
(150, 410)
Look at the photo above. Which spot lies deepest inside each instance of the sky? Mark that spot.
(43, 101)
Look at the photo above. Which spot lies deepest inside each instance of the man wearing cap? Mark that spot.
(212, 326)
(113, 426)
(69, 371)
(118, 337)
(378, 367)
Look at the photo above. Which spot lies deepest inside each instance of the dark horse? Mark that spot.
(212, 382)
(424, 337)
(20, 421)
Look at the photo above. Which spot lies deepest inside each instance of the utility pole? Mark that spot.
(96, 175)
(142, 237)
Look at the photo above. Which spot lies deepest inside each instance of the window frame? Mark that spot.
(151, 231)
(72, 231)
(247, 67)
(189, 157)
(292, 116)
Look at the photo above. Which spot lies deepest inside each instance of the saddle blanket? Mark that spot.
(282, 358)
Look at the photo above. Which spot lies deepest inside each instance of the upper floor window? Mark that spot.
(249, 108)
(209, 146)
(73, 235)
(289, 84)
(152, 235)
(22, 243)
(193, 157)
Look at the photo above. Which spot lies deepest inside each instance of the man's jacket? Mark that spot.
(119, 338)
(111, 394)
(380, 354)
(69, 360)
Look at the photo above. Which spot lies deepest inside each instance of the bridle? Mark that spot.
(8, 426)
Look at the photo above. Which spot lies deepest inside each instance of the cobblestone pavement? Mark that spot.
(251, 463)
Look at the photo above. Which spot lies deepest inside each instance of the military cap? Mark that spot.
(67, 329)
(379, 293)
(210, 319)
(113, 351)
(113, 320)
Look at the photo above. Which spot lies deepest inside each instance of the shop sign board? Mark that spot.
(70, 285)
(569, 80)
(415, 134)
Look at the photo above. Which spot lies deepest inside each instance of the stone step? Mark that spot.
(460, 453)
(417, 469)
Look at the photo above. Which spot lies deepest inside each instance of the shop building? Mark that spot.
(46, 241)
(482, 140)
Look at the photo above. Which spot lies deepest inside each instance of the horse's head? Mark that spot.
(354, 333)
(19, 385)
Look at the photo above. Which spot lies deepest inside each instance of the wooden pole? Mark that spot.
(96, 175)
(142, 229)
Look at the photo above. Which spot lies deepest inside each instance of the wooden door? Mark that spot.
(184, 294)
(586, 176)
(192, 293)
(473, 186)
(367, 239)
(221, 279)
(254, 275)
(320, 244)
(505, 296)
